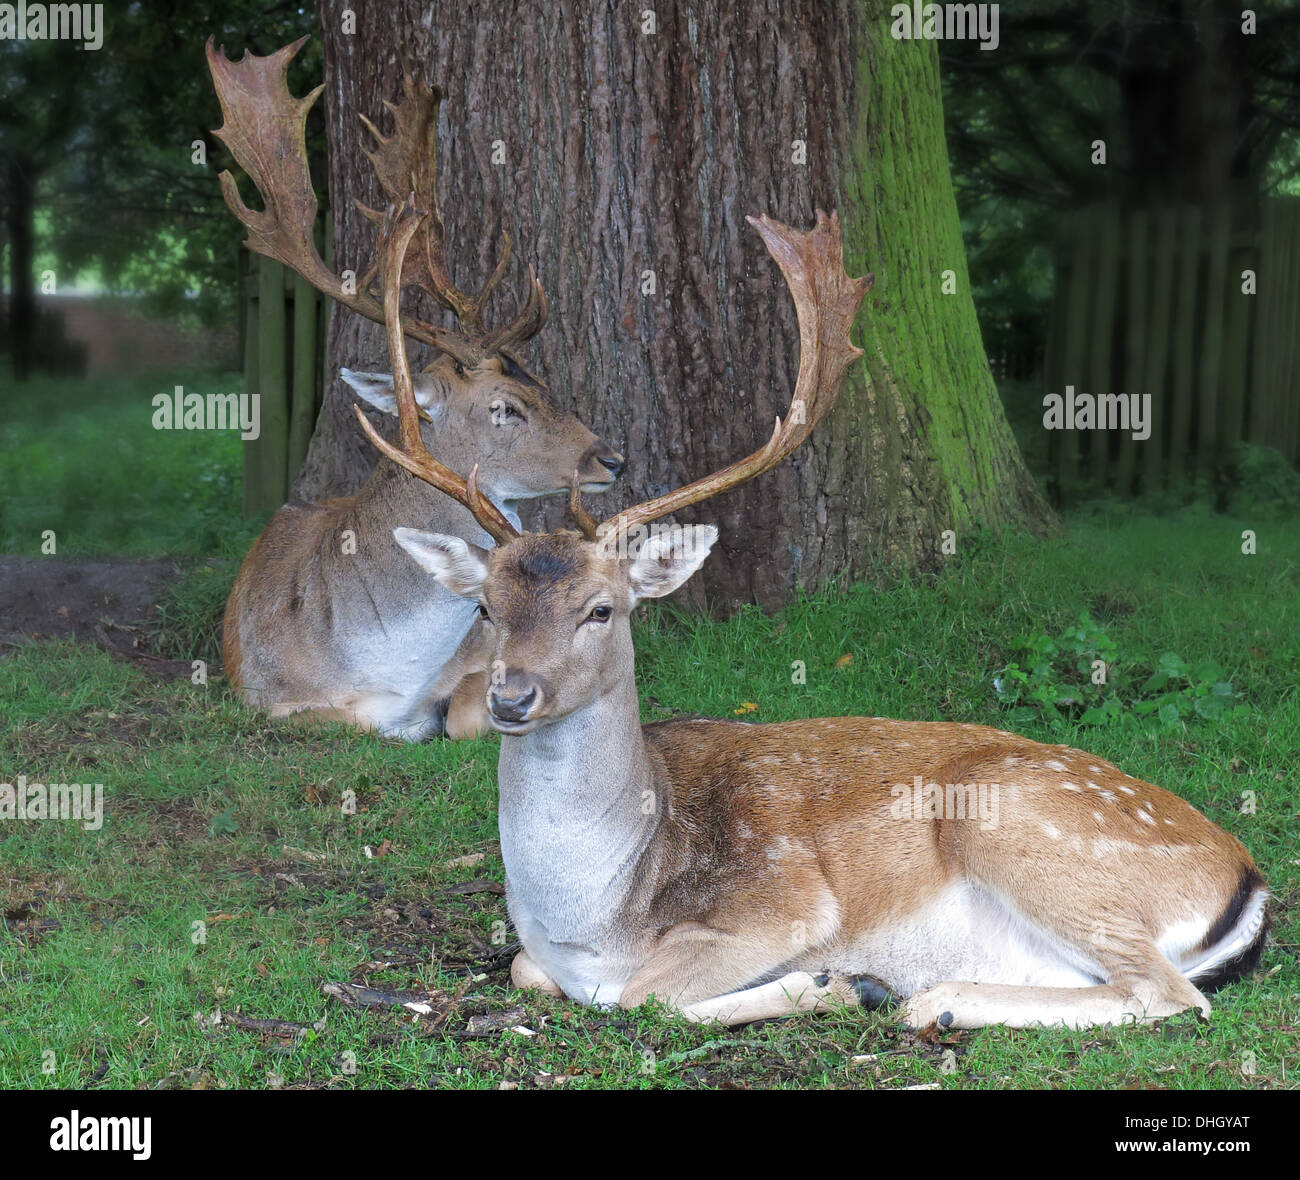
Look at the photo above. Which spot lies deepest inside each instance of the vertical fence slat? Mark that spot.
(1157, 360)
(273, 386)
(1075, 348)
(1211, 359)
(1135, 342)
(302, 409)
(252, 371)
(1102, 377)
(1184, 344)
(1266, 288)
(1236, 357)
(1289, 387)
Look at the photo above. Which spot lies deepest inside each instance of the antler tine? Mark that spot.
(825, 300)
(407, 161)
(582, 518)
(411, 454)
(530, 320)
(264, 127)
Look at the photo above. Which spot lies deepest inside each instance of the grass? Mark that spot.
(218, 817)
(242, 865)
(82, 459)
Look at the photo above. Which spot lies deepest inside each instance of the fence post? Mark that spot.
(272, 447)
(252, 373)
(302, 415)
(1211, 362)
(1184, 346)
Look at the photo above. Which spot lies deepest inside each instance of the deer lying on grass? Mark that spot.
(323, 619)
(739, 871)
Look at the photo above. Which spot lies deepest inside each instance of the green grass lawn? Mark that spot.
(215, 816)
(82, 458)
(232, 875)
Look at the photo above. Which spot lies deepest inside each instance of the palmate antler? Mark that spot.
(264, 128)
(826, 301)
(399, 226)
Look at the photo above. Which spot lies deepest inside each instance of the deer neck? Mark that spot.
(578, 814)
(393, 498)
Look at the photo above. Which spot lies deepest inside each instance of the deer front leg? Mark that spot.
(525, 974)
(702, 973)
(467, 715)
(463, 685)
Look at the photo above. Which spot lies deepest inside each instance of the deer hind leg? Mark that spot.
(308, 712)
(1137, 993)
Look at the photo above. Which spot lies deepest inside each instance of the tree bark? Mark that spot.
(627, 152)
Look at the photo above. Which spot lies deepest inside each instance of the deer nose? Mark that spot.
(614, 464)
(511, 708)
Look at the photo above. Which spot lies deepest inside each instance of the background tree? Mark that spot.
(630, 151)
(1190, 107)
(97, 158)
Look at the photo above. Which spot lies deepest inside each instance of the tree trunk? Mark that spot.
(21, 203)
(629, 152)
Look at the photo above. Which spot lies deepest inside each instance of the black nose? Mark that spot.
(514, 708)
(614, 464)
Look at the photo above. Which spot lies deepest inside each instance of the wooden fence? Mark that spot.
(1152, 302)
(282, 322)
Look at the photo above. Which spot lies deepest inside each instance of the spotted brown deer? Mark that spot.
(324, 620)
(738, 871)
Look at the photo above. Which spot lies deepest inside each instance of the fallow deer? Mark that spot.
(323, 619)
(739, 871)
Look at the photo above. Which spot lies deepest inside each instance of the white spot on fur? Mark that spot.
(1146, 819)
(1052, 764)
(1128, 790)
(1070, 787)
(1052, 830)
(1098, 817)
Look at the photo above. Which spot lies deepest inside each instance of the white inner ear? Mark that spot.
(376, 388)
(454, 563)
(668, 558)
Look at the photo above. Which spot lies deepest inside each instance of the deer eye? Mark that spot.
(483, 613)
(599, 614)
(460, 369)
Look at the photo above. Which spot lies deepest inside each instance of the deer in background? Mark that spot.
(323, 620)
(739, 871)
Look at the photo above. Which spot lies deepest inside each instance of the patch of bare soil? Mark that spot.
(100, 602)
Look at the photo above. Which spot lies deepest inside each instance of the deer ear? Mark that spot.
(455, 564)
(376, 388)
(668, 558)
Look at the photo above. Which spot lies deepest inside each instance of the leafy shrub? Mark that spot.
(1078, 676)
